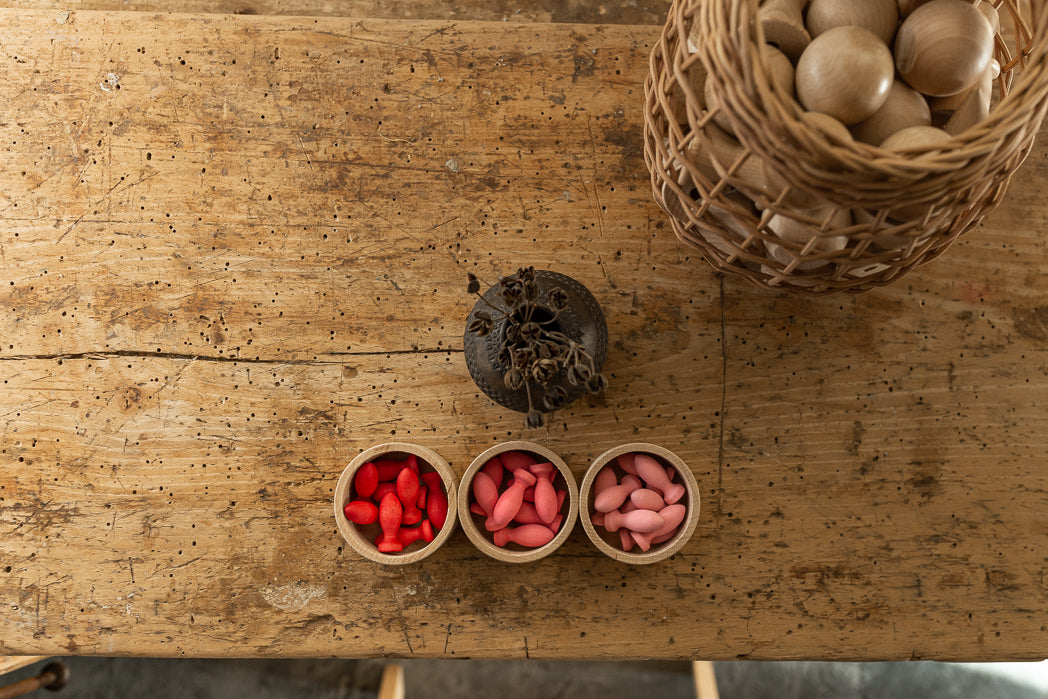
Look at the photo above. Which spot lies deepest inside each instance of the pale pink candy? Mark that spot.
(625, 539)
(672, 516)
(671, 473)
(529, 535)
(514, 460)
(597, 518)
(647, 499)
(494, 470)
(605, 479)
(655, 476)
(665, 537)
(628, 506)
(643, 539)
(485, 492)
(638, 521)
(625, 462)
(614, 496)
(511, 499)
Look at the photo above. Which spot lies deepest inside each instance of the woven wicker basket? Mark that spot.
(790, 203)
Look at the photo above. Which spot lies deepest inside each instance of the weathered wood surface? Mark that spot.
(587, 11)
(233, 255)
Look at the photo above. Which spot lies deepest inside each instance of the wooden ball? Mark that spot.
(943, 47)
(845, 72)
(780, 68)
(879, 16)
(904, 107)
(915, 137)
(829, 126)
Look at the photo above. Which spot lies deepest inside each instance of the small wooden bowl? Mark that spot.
(362, 538)
(603, 540)
(473, 524)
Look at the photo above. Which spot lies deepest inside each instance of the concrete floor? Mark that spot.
(115, 678)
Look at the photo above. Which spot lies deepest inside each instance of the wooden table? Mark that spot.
(233, 254)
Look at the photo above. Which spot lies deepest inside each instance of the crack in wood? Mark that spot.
(117, 354)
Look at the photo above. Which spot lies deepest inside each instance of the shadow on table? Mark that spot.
(114, 678)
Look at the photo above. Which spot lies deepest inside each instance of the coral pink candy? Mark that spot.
(628, 506)
(545, 500)
(625, 462)
(365, 480)
(514, 460)
(511, 499)
(655, 476)
(614, 496)
(477, 509)
(561, 494)
(530, 535)
(638, 521)
(605, 479)
(390, 512)
(407, 490)
(554, 526)
(625, 539)
(360, 512)
(529, 494)
(485, 492)
(597, 518)
(436, 499)
(540, 471)
(527, 514)
(671, 473)
(494, 470)
(647, 499)
(382, 490)
(672, 516)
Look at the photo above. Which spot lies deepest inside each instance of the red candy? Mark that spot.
(436, 499)
(395, 494)
(407, 491)
(360, 512)
(409, 535)
(382, 490)
(365, 481)
(390, 513)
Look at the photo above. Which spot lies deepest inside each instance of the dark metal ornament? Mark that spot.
(582, 320)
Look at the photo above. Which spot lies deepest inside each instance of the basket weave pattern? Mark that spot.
(789, 204)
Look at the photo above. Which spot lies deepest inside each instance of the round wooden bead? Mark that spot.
(915, 137)
(846, 72)
(943, 47)
(904, 107)
(879, 16)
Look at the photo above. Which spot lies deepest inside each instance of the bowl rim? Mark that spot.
(357, 540)
(479, 538)
(664, 550)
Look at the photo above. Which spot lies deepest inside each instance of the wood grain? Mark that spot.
(233, 254)
(584, 11)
